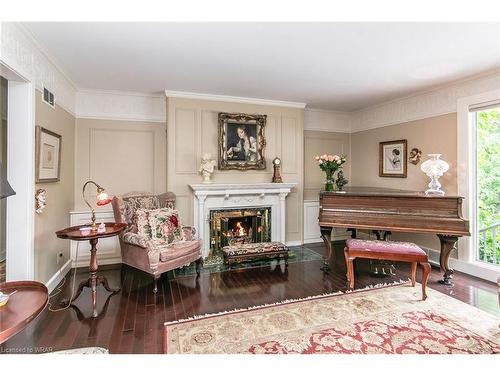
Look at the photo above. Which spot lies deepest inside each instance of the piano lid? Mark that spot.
(375, 191)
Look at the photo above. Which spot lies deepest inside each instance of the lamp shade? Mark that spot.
(5, 188)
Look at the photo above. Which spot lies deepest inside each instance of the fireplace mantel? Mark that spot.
(224, 196)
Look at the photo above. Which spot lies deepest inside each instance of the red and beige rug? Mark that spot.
(378, 320)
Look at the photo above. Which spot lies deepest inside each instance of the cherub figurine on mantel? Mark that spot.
(207, 167)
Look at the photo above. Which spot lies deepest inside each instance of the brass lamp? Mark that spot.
(102, 199)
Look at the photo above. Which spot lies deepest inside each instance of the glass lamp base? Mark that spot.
(433, 192)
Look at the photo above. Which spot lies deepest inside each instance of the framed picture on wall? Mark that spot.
(393, 160)
(241, 141)
(48, 155)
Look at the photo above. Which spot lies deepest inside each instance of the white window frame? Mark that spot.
(466, 171)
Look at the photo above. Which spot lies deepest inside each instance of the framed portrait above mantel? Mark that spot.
(241, 141)
(393, 158)
(48, 155)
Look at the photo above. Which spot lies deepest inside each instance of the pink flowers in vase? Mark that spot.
(330, 164)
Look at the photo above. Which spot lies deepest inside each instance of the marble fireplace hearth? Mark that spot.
(216, 197)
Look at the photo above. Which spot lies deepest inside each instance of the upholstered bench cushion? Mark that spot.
(384, 247)
(254, 248)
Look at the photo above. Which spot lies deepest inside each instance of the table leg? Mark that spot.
(448, 243)
(101, 280)
(326, 235)
(93, 275)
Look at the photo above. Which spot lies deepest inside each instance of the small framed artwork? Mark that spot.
(48, 155)
(241, 141)
(393, 159)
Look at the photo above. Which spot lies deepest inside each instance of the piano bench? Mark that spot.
(387, 250)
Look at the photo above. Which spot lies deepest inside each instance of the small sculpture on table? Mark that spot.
(207, 167)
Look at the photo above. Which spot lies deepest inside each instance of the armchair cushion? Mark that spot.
(165, 226)
(137, 239)
(178, 249)
(142, 222)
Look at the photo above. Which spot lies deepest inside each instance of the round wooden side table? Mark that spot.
(74, 233)
(27, 300)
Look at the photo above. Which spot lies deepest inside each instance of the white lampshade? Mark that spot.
(434, 167)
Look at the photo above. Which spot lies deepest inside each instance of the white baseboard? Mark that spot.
(293, 243)
(58, 276)
(84, 262)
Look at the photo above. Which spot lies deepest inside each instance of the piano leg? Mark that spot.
(448, 243)
(326, 235)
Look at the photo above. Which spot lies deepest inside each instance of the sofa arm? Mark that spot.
(137, 240)
(189, 233)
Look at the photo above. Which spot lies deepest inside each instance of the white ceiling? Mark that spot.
(338, 66)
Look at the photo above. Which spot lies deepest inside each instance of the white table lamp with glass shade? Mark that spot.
(434, 167)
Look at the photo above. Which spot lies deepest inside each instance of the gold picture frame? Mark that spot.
(47, 155)
(393, 159)
(241, 141)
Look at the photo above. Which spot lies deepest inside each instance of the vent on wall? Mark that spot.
(48, 97)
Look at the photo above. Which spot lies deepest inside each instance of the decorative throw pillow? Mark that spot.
(165, 225)
(142, 222)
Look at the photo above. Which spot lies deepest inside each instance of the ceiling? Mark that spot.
(337, 66)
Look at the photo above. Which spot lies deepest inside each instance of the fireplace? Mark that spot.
(239, 226)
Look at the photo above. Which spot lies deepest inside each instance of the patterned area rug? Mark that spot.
(378, 320)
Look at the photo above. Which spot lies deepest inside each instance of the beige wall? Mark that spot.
(121, 156)
(192, 131)
(318, 143)
(59, 194)
(431, 135)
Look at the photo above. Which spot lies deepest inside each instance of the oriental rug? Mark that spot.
(390, 319)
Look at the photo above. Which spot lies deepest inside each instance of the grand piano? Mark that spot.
(389, 210)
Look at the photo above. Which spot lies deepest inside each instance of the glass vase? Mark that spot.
(329, 181)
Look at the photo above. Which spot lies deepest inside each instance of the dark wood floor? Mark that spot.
(131, 321)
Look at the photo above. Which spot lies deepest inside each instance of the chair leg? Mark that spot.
(156, 277)
(413, 273)
(350, 268)
(426, 269)
(198, 266)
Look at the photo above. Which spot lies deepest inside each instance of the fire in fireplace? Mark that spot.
(238, 226)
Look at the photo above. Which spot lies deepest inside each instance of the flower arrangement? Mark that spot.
(330, 164)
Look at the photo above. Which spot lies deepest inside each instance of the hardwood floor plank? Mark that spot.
(132, 321)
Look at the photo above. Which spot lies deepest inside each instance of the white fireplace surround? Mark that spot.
(210, 197)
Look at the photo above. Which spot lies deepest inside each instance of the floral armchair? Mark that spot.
(139, 251)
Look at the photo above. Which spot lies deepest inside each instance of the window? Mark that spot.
(487, 181)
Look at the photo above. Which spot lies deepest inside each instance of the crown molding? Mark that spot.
(430, 103)
(232, 99)
(327, 121)
(22, 53)
(120, 105)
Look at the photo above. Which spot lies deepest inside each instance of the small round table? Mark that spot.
(28, 300)
(73, 233)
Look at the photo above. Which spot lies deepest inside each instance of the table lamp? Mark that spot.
(434, 168)
(102, 199)
(5, 188)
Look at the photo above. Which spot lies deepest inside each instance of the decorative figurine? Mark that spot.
(207, 167)
(40, 200)
(341, 180)
(101, 228)
(415, 155)
(277, 170)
